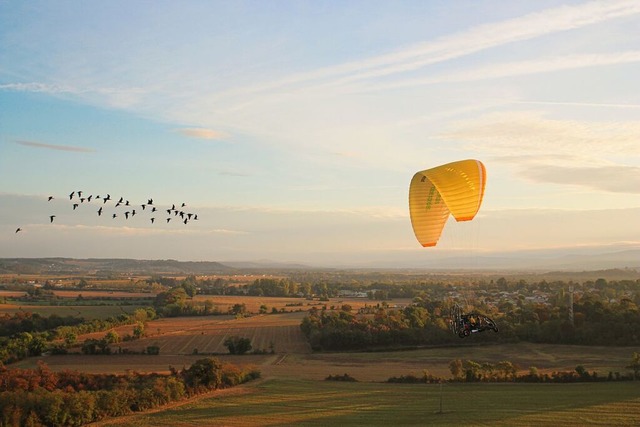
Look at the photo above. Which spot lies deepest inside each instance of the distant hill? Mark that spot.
(107, 266)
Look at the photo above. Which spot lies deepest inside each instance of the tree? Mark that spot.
(455, 366)
(238, 345)
(204, 373)
(138, 330)
(238, 309)
(635, 365)
(112, 337)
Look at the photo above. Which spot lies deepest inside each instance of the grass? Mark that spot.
(279, 402)
(86, 311)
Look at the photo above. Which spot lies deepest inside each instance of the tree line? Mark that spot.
(598, 318)
(32, 341)
(41, 397)
(506, 371)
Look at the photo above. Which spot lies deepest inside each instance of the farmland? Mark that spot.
(293, 390)
(316, 403)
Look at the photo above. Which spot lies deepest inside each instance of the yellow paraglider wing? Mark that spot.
(456, 188)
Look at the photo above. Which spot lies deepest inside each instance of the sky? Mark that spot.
(293, 128)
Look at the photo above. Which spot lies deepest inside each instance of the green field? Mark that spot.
(86, 311)
(278, 402)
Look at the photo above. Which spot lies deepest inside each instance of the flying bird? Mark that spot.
(152, 219)
(71, 195)
(114, 215)
(89, 198)
(168, 219)
(75, 205)
(79, 193)
(18, 229)
(150, 201)
(51, 217)
(100, 211)
(126, 215)
(50, 198)
(153, 209)
(143, 206)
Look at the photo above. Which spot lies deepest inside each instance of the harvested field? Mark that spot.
(103, 294)
(207, 334)
(12, 294)
(224, 302)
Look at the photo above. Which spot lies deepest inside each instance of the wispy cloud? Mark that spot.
(512, 69)
(55, 147)
(460, 44)
(566, 152)
(202, 133)
(531, 133)
(615, 179)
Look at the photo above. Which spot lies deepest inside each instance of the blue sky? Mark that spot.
(294, 128)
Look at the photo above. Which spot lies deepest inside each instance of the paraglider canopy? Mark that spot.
(454, 188)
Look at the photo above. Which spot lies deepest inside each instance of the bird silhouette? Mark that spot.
(51, 217)
(114, 215)
(79, 193)
(153, 209)
(150, 201)
(126, 215)
(18, 229)
(50, 198)
(75, 205)
(152, 219)
(89, 198)
(121, 200)
(71, 195)
(183, 205)
(168, 219)
(143, 206)
(185, 221)
(133, 212)
(100, 211)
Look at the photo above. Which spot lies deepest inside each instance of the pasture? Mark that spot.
(283, 402)
(87, 311)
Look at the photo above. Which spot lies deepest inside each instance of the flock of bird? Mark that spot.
(126, 209)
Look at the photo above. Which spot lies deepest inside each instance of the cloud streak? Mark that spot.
(464, 43)
(615, 179)
(55, 147)
(201, 133)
